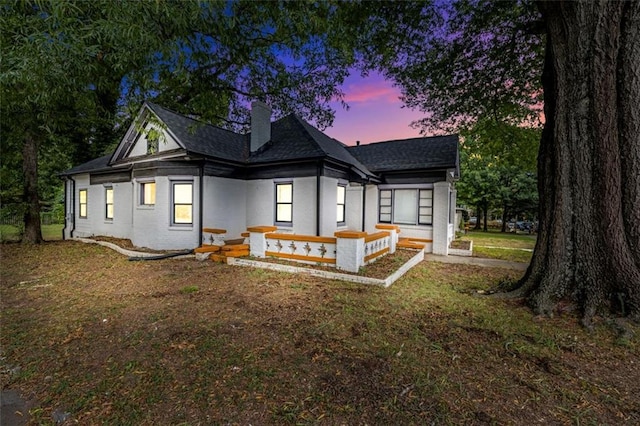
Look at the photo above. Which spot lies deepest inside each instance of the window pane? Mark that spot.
(284, 193)
(183, 214)
(426, 202)
(182, 193)
(283, 213)
(426, 219)
(340, 213)
(405, 206)
(341, 194)
(109, 194)
(385, 217)
(149, 193)
(109, 211)
(83, 196)
(385, 197)
(83, 210)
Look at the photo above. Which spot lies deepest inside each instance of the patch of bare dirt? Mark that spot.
(460, 245)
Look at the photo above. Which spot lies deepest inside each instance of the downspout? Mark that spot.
(318, 174)
(364, 204)
(66, 192)
(200, 203)
(73, 205)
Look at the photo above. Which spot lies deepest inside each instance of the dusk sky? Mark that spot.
(375, 112)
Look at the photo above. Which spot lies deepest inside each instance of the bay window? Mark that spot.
(409, 206)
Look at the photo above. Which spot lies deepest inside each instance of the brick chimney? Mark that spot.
(260, 125)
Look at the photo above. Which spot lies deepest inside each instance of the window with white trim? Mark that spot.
(341, 204)
(108, 202)
(83, 203)
(182, 200)
(406, 206)
(284, 203)
(148, 193)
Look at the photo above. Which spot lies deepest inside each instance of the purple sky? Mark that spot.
(375, 112)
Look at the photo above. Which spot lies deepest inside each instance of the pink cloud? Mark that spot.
(381, 91)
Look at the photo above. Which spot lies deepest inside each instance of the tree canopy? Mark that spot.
(70, 69)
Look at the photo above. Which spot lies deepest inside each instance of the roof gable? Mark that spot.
(201, 138)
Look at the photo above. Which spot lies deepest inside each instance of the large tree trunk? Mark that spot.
(32, 229)
(588, 248)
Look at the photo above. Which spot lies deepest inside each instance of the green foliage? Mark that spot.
(482, 60)
(499, 167)
(74, 72)
(474, 68)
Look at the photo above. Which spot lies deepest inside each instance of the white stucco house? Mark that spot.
(171, 177)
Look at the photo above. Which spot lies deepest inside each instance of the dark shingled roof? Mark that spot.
(95, 165)
(201, 138)
(294, 139)
(438, 152)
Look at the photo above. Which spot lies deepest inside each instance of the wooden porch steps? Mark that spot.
(229, 250)
(413, 243)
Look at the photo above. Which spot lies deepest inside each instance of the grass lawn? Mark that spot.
(49, 232)
(504, 246)
(109, 341)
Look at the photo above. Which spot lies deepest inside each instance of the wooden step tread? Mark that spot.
(410, 244)
(207, 249)
(236, 253)
(218, 258)
(235, 247)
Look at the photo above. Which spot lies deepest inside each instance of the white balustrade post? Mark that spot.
(258, 239)
(350, 250)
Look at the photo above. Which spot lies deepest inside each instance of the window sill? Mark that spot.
(146, 206)
(180, 227)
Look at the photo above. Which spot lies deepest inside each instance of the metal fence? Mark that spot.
(15, 219)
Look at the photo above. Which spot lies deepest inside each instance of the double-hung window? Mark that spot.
(284, 203)
(406, 206)
(341, 203)
(83, 203)
(182, 196)
(148, 193)
(108, 203)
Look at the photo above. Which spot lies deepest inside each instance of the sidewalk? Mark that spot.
(477, 261)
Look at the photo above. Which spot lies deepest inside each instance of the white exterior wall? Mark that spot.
(83, 227)
(354, 208)
(152, 224)
(304, 206)
(261, 204)
(328, 206)
(96, 222)
(120, 225)
(441, 228)
(371, 214)
(166, 143)
(225, 205)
